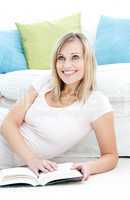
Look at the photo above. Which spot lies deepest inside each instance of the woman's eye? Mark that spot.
(61, 58)
(75, 57)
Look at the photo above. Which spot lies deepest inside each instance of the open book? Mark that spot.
(24, 175)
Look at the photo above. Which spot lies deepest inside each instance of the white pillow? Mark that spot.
(89, 23)
(114, 81)
(13, 85)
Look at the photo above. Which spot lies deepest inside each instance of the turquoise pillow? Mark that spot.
(11, 52)
(112, 43)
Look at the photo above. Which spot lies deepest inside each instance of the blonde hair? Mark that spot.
(87, 84)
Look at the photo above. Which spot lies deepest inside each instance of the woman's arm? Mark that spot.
(105, 134)
(12, 122)
(10, 130)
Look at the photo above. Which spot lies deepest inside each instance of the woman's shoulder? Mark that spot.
(97, 94)
(97, 97)
(98, 104)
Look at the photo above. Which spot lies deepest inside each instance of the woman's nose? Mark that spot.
(67, 63)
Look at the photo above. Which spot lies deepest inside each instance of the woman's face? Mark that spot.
(70, 62)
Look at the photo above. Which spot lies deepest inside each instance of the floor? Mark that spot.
(110, 185)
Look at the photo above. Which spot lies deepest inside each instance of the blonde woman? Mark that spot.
(57, 113)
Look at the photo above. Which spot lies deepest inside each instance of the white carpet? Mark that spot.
(114, 184)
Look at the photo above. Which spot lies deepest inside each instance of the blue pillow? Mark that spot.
(11, 52)
(112, 43)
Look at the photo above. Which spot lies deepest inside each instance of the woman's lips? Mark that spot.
(70, 72)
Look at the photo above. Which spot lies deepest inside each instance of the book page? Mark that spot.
(64, 171)
(17, 171)
(17, 175)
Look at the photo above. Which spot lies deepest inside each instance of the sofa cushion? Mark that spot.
(112, 43)
(114, 81)
(11, 52)
(39, 39)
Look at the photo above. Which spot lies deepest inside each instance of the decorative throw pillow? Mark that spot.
(11, 53)
(113, 41)
(39, 39)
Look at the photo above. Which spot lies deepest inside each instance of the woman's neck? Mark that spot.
(70, 89)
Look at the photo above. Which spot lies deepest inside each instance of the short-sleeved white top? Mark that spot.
(50, 131)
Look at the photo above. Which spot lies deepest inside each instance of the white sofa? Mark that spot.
(114, 81)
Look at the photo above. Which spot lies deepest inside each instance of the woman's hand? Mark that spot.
(38, 164)
(82, 167)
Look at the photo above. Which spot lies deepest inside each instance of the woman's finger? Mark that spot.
(76, 166)
(48, 167)
(43, 169)
(53, 165)
(35, 170)
(85, 177)
(85, 173)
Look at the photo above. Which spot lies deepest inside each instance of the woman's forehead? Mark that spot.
(71, 47)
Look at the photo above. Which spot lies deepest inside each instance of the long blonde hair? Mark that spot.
(87, 84)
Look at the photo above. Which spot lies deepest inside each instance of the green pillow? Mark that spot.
(39, 39)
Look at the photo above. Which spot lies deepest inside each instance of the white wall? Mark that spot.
(28, 11)
(109, 6)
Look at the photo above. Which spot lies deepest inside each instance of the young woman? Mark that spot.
(56, 114)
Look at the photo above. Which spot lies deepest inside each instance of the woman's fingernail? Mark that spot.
(55, 167)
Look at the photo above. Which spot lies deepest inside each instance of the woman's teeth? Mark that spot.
(69, 72)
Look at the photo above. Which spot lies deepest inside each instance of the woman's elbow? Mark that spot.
(7, 124)
(115, 159)
(4, 125)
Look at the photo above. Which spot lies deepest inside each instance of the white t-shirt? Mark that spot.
(51, 131)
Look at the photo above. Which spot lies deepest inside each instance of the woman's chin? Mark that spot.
(69, 82)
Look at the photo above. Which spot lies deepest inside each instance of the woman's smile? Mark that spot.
(69, 72)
